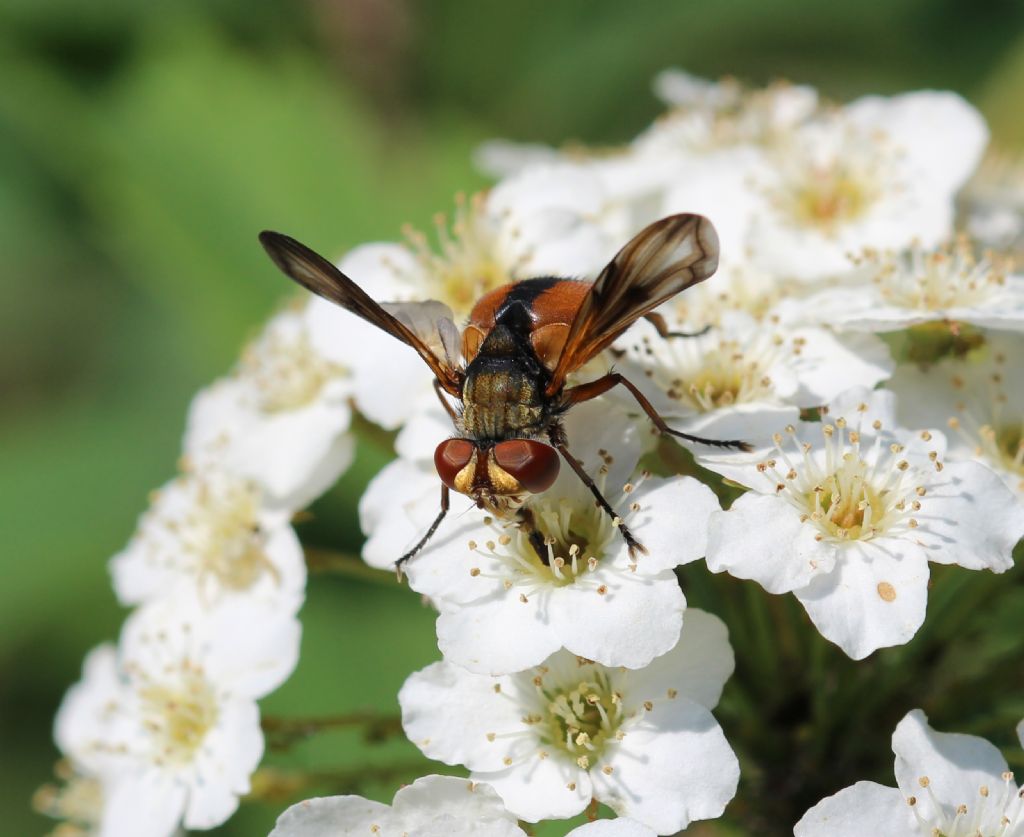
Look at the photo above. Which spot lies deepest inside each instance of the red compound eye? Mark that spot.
(450, 457)
(533, 464)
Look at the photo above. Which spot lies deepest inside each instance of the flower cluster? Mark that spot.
(855, 337)
(164, 729)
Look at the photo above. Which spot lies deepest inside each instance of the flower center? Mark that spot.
(830, 176)
(828, 196)
(286, 371)
(179, 714)
(951, 276)
(580, 719)
(469, 260)
(709, 373)
(566, 542)
(839, 505)
(223, 534)
(850, 492)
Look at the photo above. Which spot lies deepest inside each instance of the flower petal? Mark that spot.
(546, 788)
(673, 767)
(333, 816)
(874, 598)
(953, 765)
(636, 619)
(971, 518)
(459, 718)
(863, 808)
(762, 538)
(696, 669)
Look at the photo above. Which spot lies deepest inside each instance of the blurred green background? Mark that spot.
(143, 146)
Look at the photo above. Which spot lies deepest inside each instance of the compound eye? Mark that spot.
(451, 457)
(533, 464)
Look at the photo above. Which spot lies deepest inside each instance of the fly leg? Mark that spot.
(558, 441)
(454, 416)
(584, 392)
(662, 328)
(400, 563)
(529, 525)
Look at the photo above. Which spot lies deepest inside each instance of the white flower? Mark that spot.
(281, 419)
(208, 535)
(744, 380)
(847, 514)
(171, 725)
(949, 784)
(433, 806)
(992, 202)
(549, 739)
(585, 592)
(709, 116)
(945, 285)
(580, 588)
(878, 173)
(980, 398)
(536, 224)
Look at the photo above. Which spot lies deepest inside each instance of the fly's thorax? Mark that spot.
(503, 394)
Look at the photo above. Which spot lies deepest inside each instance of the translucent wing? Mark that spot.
(663, 259)
(433, 323)
(426, 326)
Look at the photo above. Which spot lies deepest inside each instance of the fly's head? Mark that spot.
(497, 477)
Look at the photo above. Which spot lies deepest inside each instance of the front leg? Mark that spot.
(445, 502)
(558, 441)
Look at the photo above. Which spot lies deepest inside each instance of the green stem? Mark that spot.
(320, 560)
(283, 733)
(277, 786)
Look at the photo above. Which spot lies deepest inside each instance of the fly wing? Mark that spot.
(433, 323)
(663, 259)
(426, 326)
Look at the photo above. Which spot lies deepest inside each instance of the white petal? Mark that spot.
(449, 713)
(696, 669)
(762, 538)
(209, 804)
(621, 827)
(475, 636)
(80, 716)
(941, 132)
(671, 769)
(542, 788)
(333, 816)
(971, 518)
(637, 619)
(672, 522)
(955, 765)
(461, 798)
(830, 364)
(863, 808)
(143, 804)
(427, 427)
(874, 598)
(230, 754)
(381, 365)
